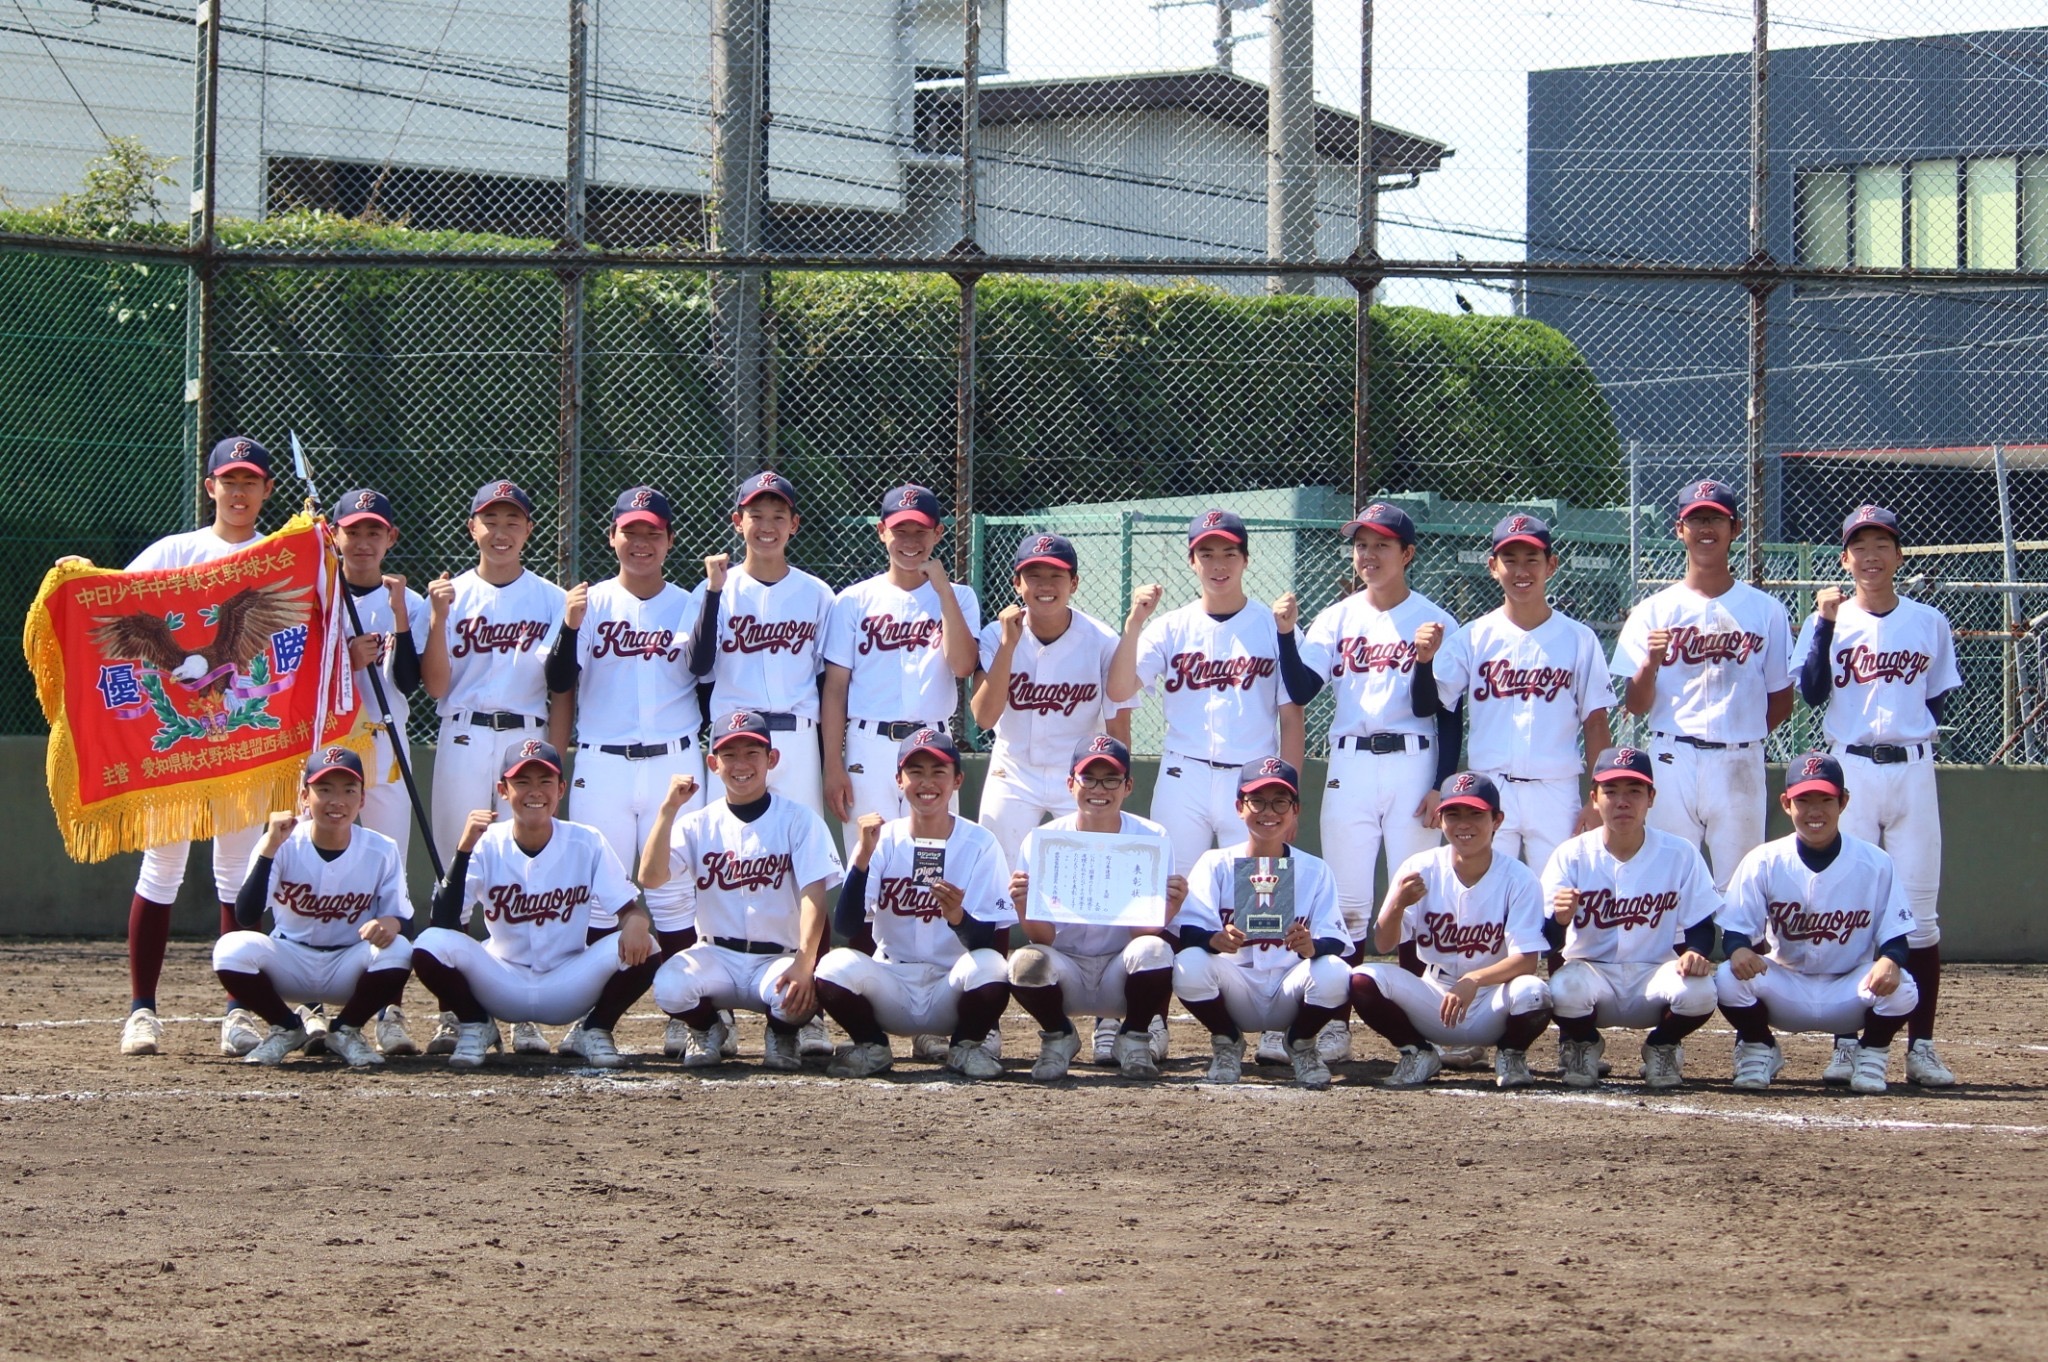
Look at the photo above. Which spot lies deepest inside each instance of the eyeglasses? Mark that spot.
(1279, 805)
(1099, 782)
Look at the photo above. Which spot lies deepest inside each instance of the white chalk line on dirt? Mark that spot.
(1775, 1118)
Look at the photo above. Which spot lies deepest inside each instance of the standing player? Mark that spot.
(756, 866)
(1638, 909)
(1830, 912)
(1708, 660)
(1881, 667)
(1476, 919)
(336, 893)
(1114, 972)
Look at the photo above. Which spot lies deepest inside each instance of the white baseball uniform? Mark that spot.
(314, 953)
(497, 698)
(1882, 671)
(636, 726)
(1220, 692)
(770, 650)
(1058, 695)
(1262, 983)
(1621, 945)
(386, 808)
(920, 969)
(743, 881)
(1459, 931)
(1527, 694)
(888, 639)
(1367, 656)
(1728, 655)
(536, 965)
(1819, 934)
(1089, 964)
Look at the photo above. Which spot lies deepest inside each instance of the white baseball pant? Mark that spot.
(467, 763)
(1197, 805)
(304, 974)
(1897, 806)
(386, 808)
(798, 774)
(1261, 999)
(1421, 1000)
(1714, 799)
(163, 867)
(912, 1000)
(1629, 994)
(725, 979)
(621, 797)
(1018, 797)
(1369, 801)
(1090, 985)
(517, 993)
(1535, 816)
(871, 763)
(1833, 1003)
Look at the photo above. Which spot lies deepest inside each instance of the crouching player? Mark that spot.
(1124, 972)
(930, 891)
(1234, 980)
(336, 893)
(1638, 906)
(1821, 904)
(754, 867)
(540, 879)
(1476, 921)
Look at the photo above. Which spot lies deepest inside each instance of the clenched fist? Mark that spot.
(1428, 639)
(714, 571)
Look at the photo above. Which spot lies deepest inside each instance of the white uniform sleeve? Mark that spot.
(693, 610)
(1632, 644)
(1318, 645)
(1206, 887)
(1453, 669)
(608, 883)
(1525, 914)
(392, 898)
(991, 639)
(1594, 686)
(1748, 891)
(1778, 664)
(970, 606)
(1325, 916)
(682, 863)
(1559, 872)
(1698, 900)
(813, 854)
(985, 890)
(1943, 675)
(1153, 646)
(473, 883)
(1803, 645)
(840, 627)
(1896, 917)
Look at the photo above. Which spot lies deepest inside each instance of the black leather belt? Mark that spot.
(641, 751)
(1380, 744)
(1889, 753)
(499, 720)
(1702, 744)
(895, 729)
(311, 947)
(745, 947)
(780, 723)
(1204, 761)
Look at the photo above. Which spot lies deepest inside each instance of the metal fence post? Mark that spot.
(1290, 140)
(2009, 647)
(966, 248)
(569, 414)
(1364, 284)
(199, 281)
(1759, 289)
(738, 154)
(1635, 526)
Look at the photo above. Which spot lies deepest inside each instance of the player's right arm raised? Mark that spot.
(655, 855)
(1123, 663)
(1403, 894)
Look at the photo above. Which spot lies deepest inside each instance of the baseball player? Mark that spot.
(1830, 914)
(933, 891)
(1880, 668)
(1114, 972)
(540, 880)
(1708, 660)
(336, 893)
(756, 867)
(1638, 909)
(1232, 981)
(1476, 919)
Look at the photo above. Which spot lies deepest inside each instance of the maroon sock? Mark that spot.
(448, 986)
(672, 942)
(259, 995)
(1212, 1013)
(1525, 1029)
(1579, 1029)
(1377, 1012)
(1047, 1005)
(1924, 964)
(1146, 993)
(1752, 1024)
(1879, 1031)
(621, 991)
(702, 1017)
(375, 991)
(1675, 1027)
(149, 933)
(981, 1009)
(855, 1014)
(1410, 957)
(227, 919)
(1310, 1020)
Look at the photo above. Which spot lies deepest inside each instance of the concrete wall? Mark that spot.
(1995, 861)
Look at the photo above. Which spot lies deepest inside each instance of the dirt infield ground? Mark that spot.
(188, 1206)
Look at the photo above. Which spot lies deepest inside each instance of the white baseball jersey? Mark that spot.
(318, 902)
(1526, 692)
(498, 639)
(1729, 653)
(373, 608)
(771, 638)
(743, 878)
(1079, 938)
(1885, 668)
(1212, 902)
(889, 639)
(1459, 931)
(1059, 691)
(909, 929)
(1634, 911)
(634, 683)
(1218, 681)
(1367, 655)
(538, 908)
(1830, 923)
(186, 550)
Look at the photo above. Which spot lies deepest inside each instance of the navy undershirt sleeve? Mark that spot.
(1895, 950)
(1422, 696)
(1197, 938)
(1816, 678)
(1732, 942)
(405, 662)
(448, 893)
(1329, 945)
(975, 934)
(1302, 683)
(255, 890)
(704, 638)
(1699, 938)
(851, 912)
(562, 667)
(1450, 741)
(1934, 705)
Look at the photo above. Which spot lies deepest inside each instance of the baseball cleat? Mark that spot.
(930, 1049)
(813, 1041)
(675, 1038)
(1134, 1057)
(392, 1038)
(729, 1043)
(598, 1049)
(863, 1061)
(1056, 1051)
(272, 1049)
(1462, 1056)
(474, 1040)
(1511, 1069)
(705, 1048)
(1870, 1067)
(780, 1050)
(1578, 1062)
(238, 1032)
(1842, 1063)
(1103, 1048)
(142, 1033)
(971, 1059)
(1161, 1042)
(313, 1022)
(1924, 1067)
(446, 1031)
(1756, 1063)
(1417, 1065)
(993, 1043)
(1333, 1042)
(1272, 1049)
(528, 1040)
(1226, 1059)
(1309, 1069)
(349, 1045)
(1663, 1065)
(571, 1042)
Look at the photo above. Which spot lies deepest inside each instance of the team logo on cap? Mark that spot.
(1378, 508)
(1463, 784)
(242, 448)
(643, 498)
(908, 500)
(738, 721)
(530, 748)
(1624, 755)
(505, 491)
(1044, 544)
(334, 754)
(365, 500)
(1101, 744)
(1518, 524)
(1704, 490)
(1270, 766)
(1813, 768)
(925, 735)
(1211, 520)
(765, 483)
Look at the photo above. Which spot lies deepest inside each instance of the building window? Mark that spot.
(1985, 213)
(1992, 214)
(1880, 217)
(1934, 208)
(1824, 218)
(2034, 212)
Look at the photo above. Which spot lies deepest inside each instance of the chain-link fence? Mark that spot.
(1077, 266)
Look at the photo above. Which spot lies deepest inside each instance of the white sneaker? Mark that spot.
(729, 1043)
(1462, 1056)
(863, 1061)
(528, 1040)
(1663, 1065)
(1306, 1056)
(142, 1033)
(779, 1051)
(1416, 1066)
(1578, 1062)
(1103, 1048)
(705, 1049)
(392, 1038)
(1842, 1063)
(238, 1032)
(1133, 1054)
(1924, 1067)
(314, 1023)
(1333, 1042)
(598, 1049)
(971, 1059)
(1870, 1067)
(1056, 1051)
(352, 1047)
(1511, 1069)
(993, 1043)
(930, 1049)
(1756, 1064)
(1272, 1049)
(272, 1049)
(474, 1040)
(675, 1038)
(1226, 1059)
(571, 1042)
(1161, 1043)
(813, 1041)
(446, 1032)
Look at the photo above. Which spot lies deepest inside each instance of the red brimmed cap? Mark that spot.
(1522, 529)
(533, 752)
(1268, 771)
(1814, 772)
(1055, 550)
(1709, 495)
(1624, 763)
(936, 741)
(911, 502)
(1217, 525)
(332, 759)
(1469, 790)
(741, 723)
(363, 503)
(1101, 747)
(238, 453)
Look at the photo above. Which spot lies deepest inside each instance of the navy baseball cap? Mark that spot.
(1624, 763)
(335, 758)
(1522, 529)
(364, 503)
(911, 502)
(936, 741)
(1101, 747)
(1268, 771)
(1866, 517)
(765, 484)
(741, 723)
(533, 752)
(1055, 549)
(238, 453)
(1709, 495)
(1217, 525)
(1380, 518)
(1469, 790)
(1814, 772)
(643, 504)
(491, 493)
